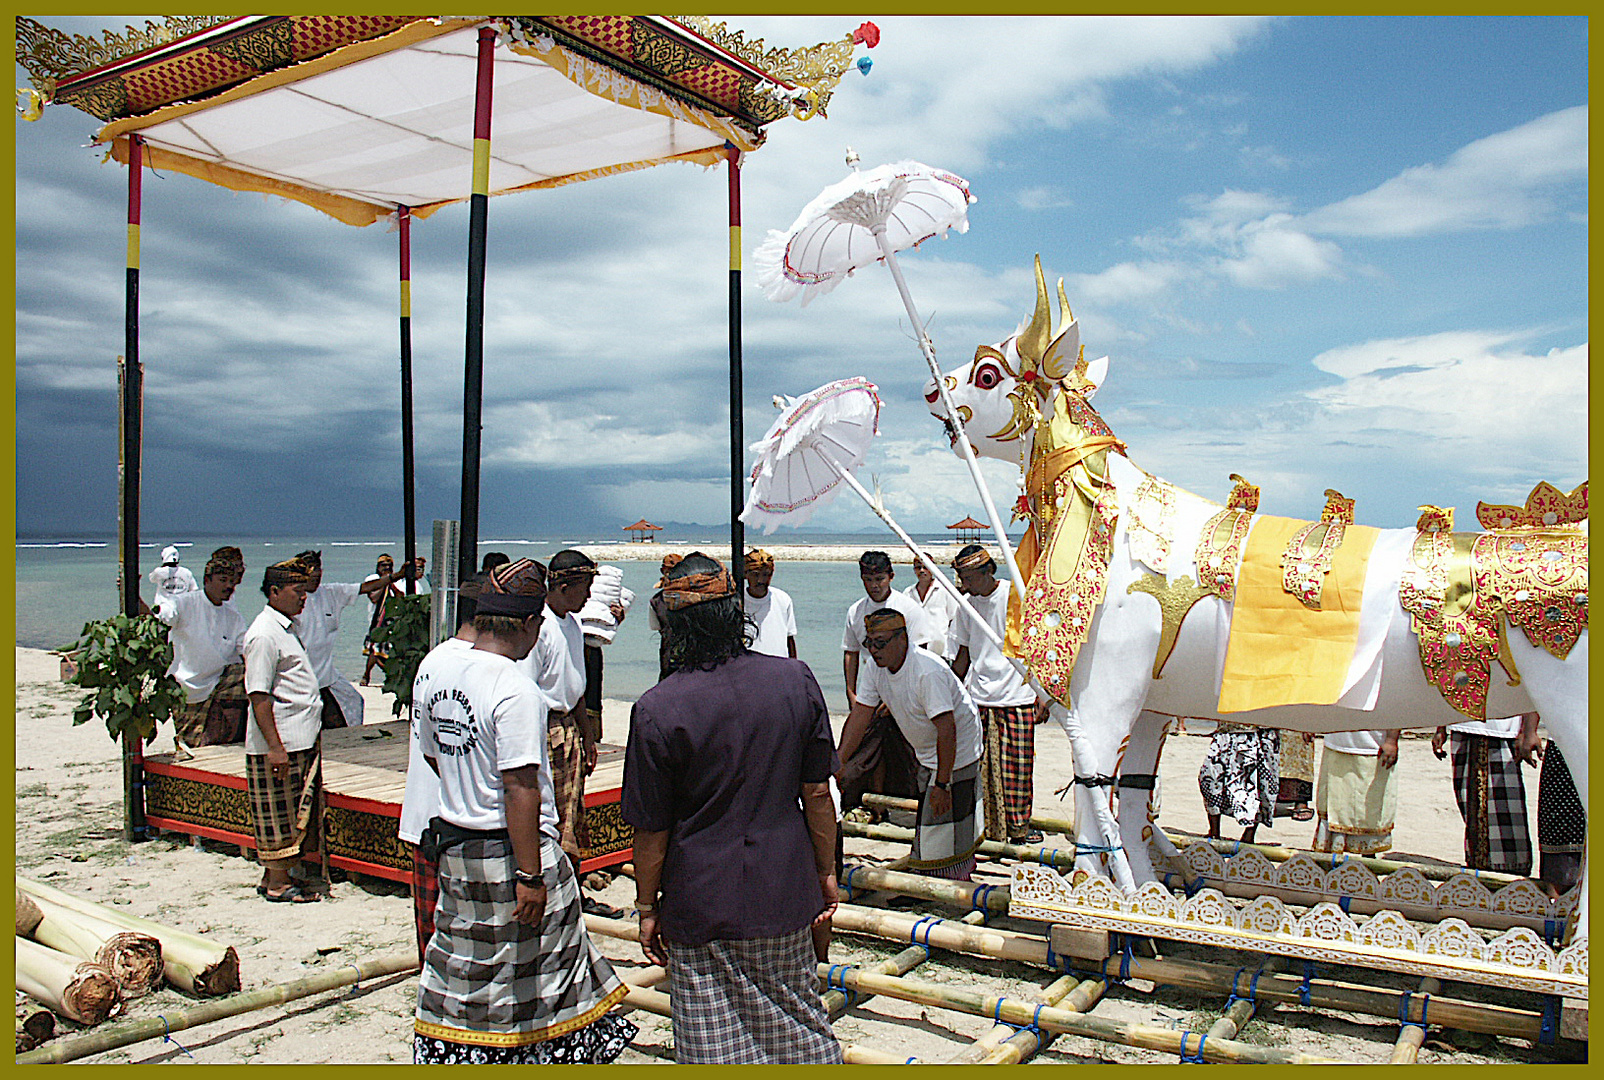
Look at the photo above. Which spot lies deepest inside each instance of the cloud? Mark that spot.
(1273, 255)
(1503, 181)
(1128, 282)
(1043, 197)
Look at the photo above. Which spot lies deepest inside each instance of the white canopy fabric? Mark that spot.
(380, 124)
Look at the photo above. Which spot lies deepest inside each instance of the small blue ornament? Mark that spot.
(864, 64)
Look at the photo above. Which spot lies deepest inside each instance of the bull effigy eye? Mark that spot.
(986, 376)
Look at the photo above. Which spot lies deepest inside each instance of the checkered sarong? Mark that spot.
(1492, 800)
(947, 843)
(425, 895)
(219, 719)
(1009, 763)
(753, 1002)
(286, 814)
(566, 747)
(489, 980)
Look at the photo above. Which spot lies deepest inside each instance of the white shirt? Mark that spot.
(206, 638)
(318, 625)
(1359, 743)
(1505, 727)
(172, 580)
(276, 663)
(775, 617)
(924, 687)
(919, 629)
(484, 717)
(422, 799)
(992, 680)
(557, 662)
(940, 608)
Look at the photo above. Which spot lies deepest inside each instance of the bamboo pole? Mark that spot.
(1411, 1035)
(1241, 1009)
(151, 1027)
(1193, 974)
(1065, 1022)
(836, 1002)
(994, 898)
(1018, 1046)
(868, 1055)
(1061, 858)
(1064, 826)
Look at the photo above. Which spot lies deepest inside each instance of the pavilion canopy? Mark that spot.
(356, 115)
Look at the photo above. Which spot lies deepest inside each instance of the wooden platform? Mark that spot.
(364, 779)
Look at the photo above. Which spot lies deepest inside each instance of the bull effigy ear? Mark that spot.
(1032, 341)
(1064, 354)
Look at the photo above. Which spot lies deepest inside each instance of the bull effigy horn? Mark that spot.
(1032, 341)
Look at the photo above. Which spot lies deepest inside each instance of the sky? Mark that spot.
(1342, 253)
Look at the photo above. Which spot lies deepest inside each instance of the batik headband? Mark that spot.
(516, 588)
(683, 592)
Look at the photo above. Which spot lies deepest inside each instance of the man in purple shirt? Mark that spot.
(726, 782)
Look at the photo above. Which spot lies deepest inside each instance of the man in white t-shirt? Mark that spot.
(283, 752)
(882, 762)
(1489, 788)
(938, 718)
(1356, 796)
(171, 579)
(938, 605)
(318, 627)
(206, 629)
(1008, 706)
(770, 609)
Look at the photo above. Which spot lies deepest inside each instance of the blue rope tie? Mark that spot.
(929, 922)
(1196, 1057)
(1195, 886)
(1253, 987)
(846, 881)
(836, 980)
(1403, 1011)
(1095, 849)
(980, 896)
(1308, 974)
(167, 1037)
(1343, 902)
(1235, 979)
(1550, 1029)
(1033, 1026)
(1552, 928)
(1237, 847)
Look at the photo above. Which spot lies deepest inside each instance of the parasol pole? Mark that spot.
(133, 407)
(408, 505)
(737, 413)
(473, 362)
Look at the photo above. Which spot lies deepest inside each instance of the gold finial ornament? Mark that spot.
(817, 68)
(48, 55)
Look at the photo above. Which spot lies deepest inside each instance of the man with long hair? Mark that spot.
(726, 784)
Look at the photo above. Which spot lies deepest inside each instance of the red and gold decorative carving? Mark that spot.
(1546, 507)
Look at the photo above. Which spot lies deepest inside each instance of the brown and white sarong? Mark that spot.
(566, 747)
(286, 814)
(219, 719)
(946, 846)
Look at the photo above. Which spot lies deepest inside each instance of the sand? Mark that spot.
(68, 817)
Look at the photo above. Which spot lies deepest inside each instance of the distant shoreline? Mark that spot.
(652, 552)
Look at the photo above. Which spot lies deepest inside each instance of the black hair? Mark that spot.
(568, 560)
(502, 626)
(874, 562)
(970, 549)
(468, 600)
(703, 636)
(492, 560)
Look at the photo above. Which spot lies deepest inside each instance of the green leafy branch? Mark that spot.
(405, 633)
(123, 662)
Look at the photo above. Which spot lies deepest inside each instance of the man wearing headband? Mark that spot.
(937, 604)
(509, 974)
(205, 629)
(385, 573)
(770, 609)
(557, 665)
(939, 721)
(882, 761)
(655, 611)
(1008, 706)
(283, 740)
(171, 579)
(726, 784)
(318, 627)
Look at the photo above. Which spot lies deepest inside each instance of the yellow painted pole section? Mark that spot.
(133, 247)
(406, 299)
(735, 247)
(481, 166)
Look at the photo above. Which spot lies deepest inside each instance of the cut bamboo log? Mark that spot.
(1241, 1009)
(80, 990)
(189, 961)
(1064, 1022)
(152, 1027)
(1406, 1051)
(1193, 975)
(35, 1025)
(134, 959)
(28, 914)
(1062, 826)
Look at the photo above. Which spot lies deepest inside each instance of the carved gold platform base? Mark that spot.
(1517, 958)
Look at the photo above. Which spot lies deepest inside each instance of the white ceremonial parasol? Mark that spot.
(886, 209)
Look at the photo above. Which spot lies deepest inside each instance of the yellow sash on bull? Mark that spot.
(1280, 652)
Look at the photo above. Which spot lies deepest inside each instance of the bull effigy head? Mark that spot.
(1008, 388)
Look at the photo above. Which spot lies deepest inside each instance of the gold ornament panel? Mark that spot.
(1219, 551)
(1545, 507)
(1151, 526)
(1540, 580)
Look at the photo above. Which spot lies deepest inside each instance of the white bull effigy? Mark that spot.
(1144, 602)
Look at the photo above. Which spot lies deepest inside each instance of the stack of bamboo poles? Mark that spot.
(84, 961)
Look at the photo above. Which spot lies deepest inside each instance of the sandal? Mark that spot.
(1032, 837)
(1302, 813)
(292, 894)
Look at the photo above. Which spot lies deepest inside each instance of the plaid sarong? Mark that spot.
(425, 895)
(286, 815)
(219, 719)
(1492, 800)
(753, 1002)
(1008, 764)
(1561, 817)
(1241, 776)
(491, 981)
(567, 751)
(942, 843)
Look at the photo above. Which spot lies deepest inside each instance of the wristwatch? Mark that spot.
(533, 881)
(944, 785)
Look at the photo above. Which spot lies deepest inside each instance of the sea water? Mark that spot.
(61, 584)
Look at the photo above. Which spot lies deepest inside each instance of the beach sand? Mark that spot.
(68, 822)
